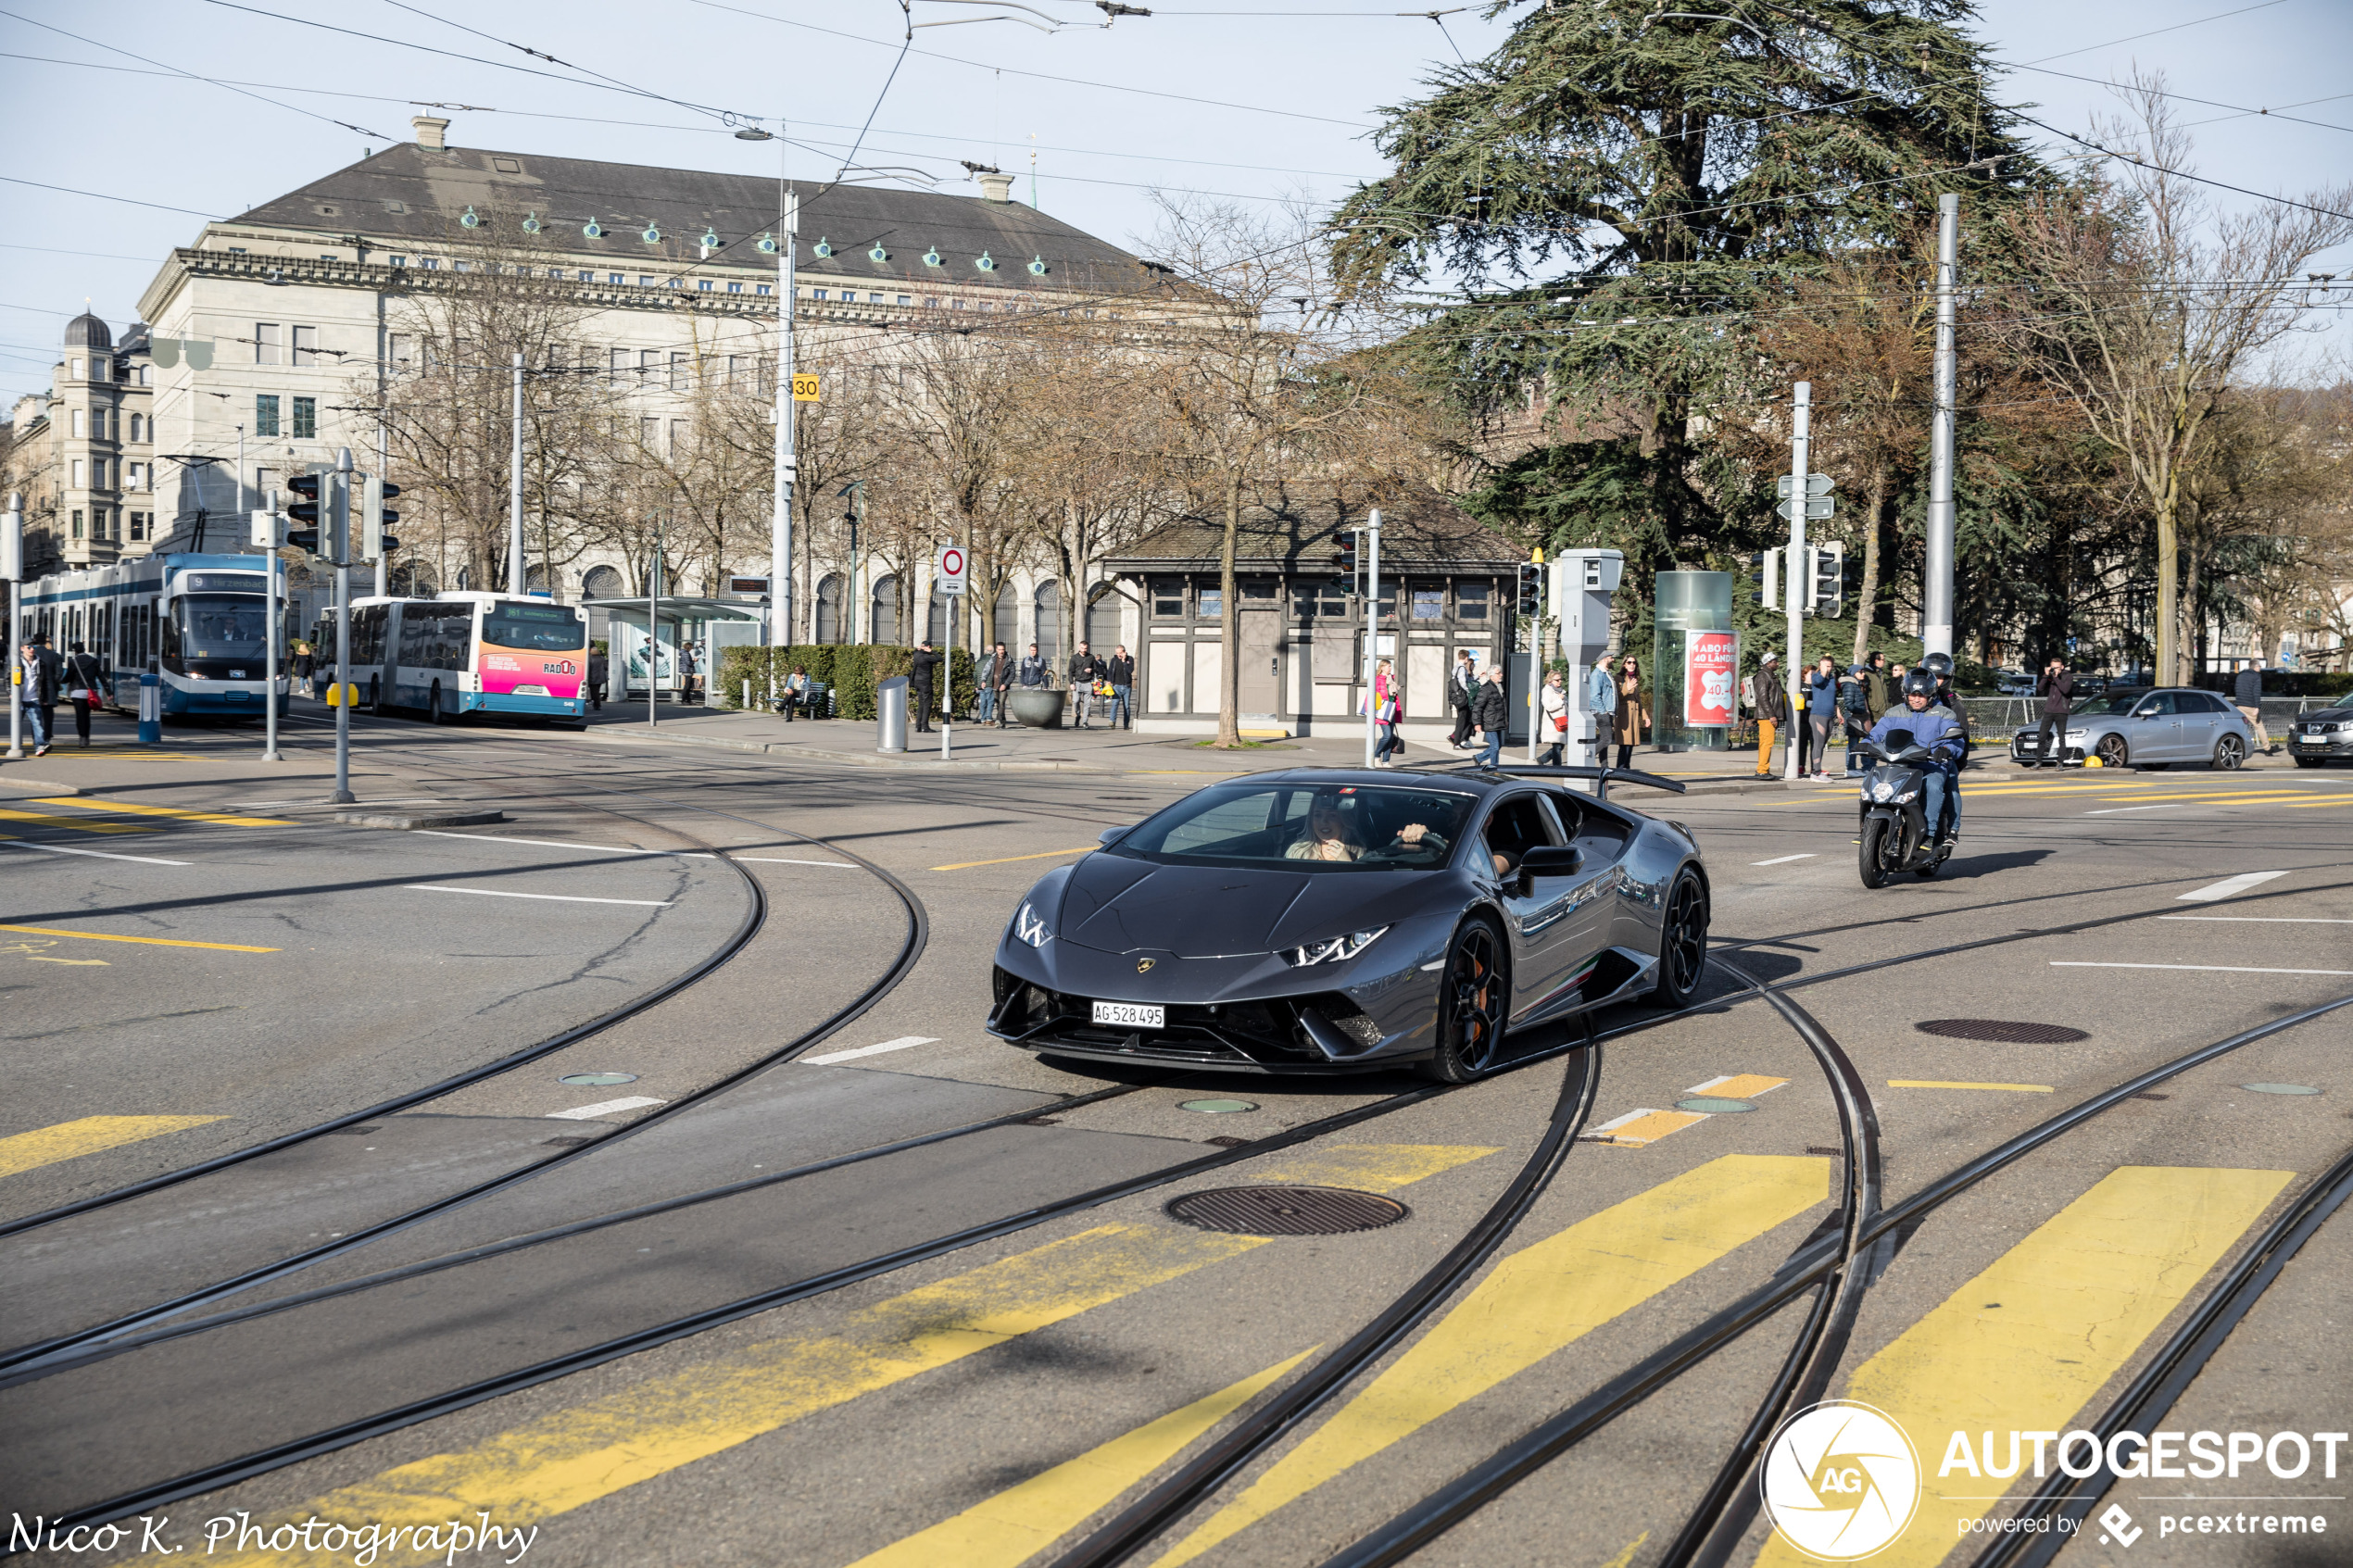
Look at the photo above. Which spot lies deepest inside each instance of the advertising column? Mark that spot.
(1695, 661)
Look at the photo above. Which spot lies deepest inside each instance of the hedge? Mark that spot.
(853, 671)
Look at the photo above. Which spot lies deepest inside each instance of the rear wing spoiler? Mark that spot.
(1602, 777)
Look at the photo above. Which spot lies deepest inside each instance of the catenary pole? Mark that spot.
(12, 549)
(515, 569)
(1936, 577)
(340, 483)
(1536, 658)
(653, 621)
(1372, 631)
(780, 512)
(1796, 577)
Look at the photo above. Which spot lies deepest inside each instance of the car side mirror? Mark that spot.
(1549, 860)
(1110, 836)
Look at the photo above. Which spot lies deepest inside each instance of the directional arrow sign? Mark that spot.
(1816, 507)
(1816, 486)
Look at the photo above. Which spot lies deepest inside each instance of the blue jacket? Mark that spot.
(1821, 695)
(1933, 727)
(1601, 691)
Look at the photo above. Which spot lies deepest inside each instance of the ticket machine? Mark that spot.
(1580, 583)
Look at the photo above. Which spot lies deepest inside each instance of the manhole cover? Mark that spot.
(598, 1080)
(2004, 1031)
(1715, 1105)
(1285, 1211)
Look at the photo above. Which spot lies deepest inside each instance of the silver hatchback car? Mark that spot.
(2144, 728)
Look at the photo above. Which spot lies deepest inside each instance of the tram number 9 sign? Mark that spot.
(949, 570)
(1708, 661)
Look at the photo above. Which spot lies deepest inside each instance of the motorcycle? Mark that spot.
(1896, 833)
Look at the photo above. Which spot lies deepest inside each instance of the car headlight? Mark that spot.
(1338, 949)
(2077, 734)
(1030, 927)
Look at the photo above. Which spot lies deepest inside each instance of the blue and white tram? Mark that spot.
(197, 620)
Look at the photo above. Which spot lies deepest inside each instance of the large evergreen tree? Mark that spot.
(1615, 197)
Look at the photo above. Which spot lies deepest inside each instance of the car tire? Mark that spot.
(2229, 752)
(2112, 752)
(1682, 942)
(1474, 1003)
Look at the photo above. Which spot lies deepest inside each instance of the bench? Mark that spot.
(816, 703)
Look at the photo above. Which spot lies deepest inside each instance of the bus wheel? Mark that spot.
(432, 706)
(375, 696)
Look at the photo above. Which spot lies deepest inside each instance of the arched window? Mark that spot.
(1050, 625)
(601, 583)
(936, 620)
(1009, 619)
(1103, 621)
(883, 627)
(534, 579)
(829, 608)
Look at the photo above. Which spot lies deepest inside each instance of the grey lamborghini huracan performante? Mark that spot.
(1324, 920)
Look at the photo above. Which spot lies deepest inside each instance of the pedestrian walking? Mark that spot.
(1034, 675)
(1387, 711)
(1001, 682)
(689, 681)
(1552, 718)
(40, 675)
(920, 676)
(1462, 693)
(1633, 717)
(1085, 670)
(1772, 711)
(1854, 711)
(84, 687)
(2057, 688)
(1121, 670)
(1820, 692)
(1491, 715)
(1601, 701)
(600, 671)
(2246, 694)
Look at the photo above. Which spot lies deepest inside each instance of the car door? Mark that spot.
(2152, 732)
(1535, 907)
(2201, 724)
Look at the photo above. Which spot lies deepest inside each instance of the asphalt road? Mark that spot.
(987, 1405)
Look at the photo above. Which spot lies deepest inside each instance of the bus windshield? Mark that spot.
(534, 628)
(220, 625)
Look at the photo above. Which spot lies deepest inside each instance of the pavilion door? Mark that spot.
(1260, 633)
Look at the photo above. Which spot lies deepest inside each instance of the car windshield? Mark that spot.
(222, 625)
(534, 628)
(1306, 827)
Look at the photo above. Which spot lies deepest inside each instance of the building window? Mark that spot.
(403, 352)
(305, 419)
(138, 424)
(760, 288)
(1168, 598)
(81, 474)
(265, 343)
(617, 278)
(265, 413)
(143, 375)
(645, 281)
(1470, 601)
(703, 286)
(81, 370)
(77, 524)
(735, 372)
(1430, 604)
(1211, 605)
(649, 360)
(906, 299)
(649, 434)
(398, 261)
(138, 526)
(616, 368)
(586, 277)
(677, 435)
(81, 423)
(678, 375)
(433, 264)
(137, 477)
(305, 345)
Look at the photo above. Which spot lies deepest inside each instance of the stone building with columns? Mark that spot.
(83, 454)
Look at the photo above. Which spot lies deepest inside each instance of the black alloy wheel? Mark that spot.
(2229, 752)
(1877, 849)
(1682, 942)
(1474, 1005)
(2112, 751)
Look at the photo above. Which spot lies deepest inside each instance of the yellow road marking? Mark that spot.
(1626, 1558)
(571, 1457)
(70, 1140)
(1372, 1167)
(1019, 1522)
(2219, 795)
(1041, 855)
(80, 824)
(2308, 805)
(1941, 1084)
(143, 811)
(144, 941)
(1642, 1128)
(1536, 1301)
(2027, 1343)
(1744, 1085)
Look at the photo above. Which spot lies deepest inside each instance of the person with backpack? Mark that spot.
(84, 686)
(38, 670)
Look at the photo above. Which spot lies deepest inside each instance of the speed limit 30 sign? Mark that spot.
(948, 572)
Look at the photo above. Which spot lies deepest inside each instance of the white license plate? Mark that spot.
(1131, 1015)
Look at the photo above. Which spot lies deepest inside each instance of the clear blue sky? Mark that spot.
(161, 138)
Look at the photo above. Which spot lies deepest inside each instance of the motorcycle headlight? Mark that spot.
(1030, 926)
(1883, 790)
(1907, 794)
(1338, 949)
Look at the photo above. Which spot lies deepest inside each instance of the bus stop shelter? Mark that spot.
(709, 626)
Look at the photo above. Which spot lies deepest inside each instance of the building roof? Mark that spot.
(88, 333)
(1290, 535)
(411, 195)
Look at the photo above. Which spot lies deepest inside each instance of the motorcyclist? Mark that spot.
(1941, 666)
(1936, 728)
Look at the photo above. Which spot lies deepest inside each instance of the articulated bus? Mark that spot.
(467, 653)
(197, 620)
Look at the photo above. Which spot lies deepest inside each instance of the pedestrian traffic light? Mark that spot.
(1829, 582)
(1346, 560)
(376, 517)
(305, 513)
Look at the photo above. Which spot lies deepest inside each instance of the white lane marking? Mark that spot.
(551, 897)
(1783, 861)
(559, 844)
(902, 1042)
(2266, 920)
(2228, 886)
(603, 1108)
(2215, 968)
(780, 861)
(61, 849)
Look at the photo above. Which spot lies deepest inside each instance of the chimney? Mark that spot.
(995, 187)
(431, 132)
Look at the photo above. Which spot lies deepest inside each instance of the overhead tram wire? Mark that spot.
(542, 55)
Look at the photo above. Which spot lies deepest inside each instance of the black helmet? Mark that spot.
(1922, 680)
(1940, 662)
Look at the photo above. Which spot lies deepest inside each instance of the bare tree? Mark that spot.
(955, 405)
(2153, 300)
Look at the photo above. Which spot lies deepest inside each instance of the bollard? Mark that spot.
(746, 704)
(150, 707)
(890, 714)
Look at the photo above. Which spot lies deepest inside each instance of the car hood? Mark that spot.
(1116, 904)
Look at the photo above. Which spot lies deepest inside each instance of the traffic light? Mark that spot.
(305, 513)
(376, 517)
(1765, 572)
(1531, 587)
(1346, 560)
(1828, 595)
